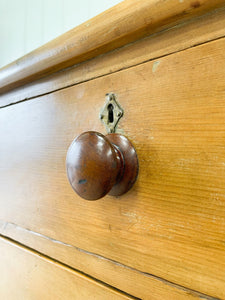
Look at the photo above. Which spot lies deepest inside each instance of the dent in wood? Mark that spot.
(195, 4)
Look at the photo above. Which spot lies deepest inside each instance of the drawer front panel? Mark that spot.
(171, 224)
(27, 275)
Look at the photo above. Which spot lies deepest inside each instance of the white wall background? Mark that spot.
(27, 24)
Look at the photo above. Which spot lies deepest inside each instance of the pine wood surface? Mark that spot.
(124, 23)
(188, 34)
(136, 283)
(171, 224)
(27, 275)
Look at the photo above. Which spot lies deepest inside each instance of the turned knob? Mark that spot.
(98, 165)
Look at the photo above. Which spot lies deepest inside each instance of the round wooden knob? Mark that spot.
(98, 165)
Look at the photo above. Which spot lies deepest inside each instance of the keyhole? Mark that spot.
(110, 113)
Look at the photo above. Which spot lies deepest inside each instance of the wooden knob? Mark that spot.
(98, 165)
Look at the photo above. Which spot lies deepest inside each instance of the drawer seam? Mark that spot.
(113, 72)
(165, 281)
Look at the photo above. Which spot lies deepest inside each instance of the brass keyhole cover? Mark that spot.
(111, 113)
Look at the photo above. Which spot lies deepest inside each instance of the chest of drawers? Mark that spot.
(165, 238)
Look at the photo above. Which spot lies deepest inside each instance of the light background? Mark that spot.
(27, 24)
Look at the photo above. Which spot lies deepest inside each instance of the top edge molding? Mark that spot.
(124, 23)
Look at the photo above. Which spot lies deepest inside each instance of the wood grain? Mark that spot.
(27, 275)
(131, 281)
(118, 26)
(196, 31)
(171, 224)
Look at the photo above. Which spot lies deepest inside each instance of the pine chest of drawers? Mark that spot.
(163, 239)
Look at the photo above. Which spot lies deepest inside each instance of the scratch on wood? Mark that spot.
(7, 224)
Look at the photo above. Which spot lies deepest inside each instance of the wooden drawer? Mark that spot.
(164, 239)
(27, 275)
(171, 224)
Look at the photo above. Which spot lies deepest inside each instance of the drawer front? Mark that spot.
(171, 224)
(28, 276)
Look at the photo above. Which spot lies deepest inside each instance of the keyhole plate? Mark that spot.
(111, 113)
